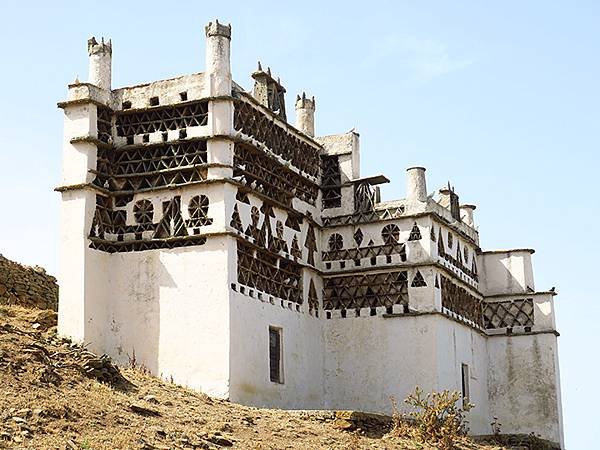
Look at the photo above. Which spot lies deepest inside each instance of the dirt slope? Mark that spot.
(51, 398)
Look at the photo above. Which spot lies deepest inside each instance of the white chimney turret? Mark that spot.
(467, 214)
(100, 66)
(218, 62)
(305, 115)
(416, 185)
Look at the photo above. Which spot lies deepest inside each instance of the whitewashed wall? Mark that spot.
(523, 384)
(167, 91)
(369, 360)
(506, 272)
(249, 355)
(171, 308)
(82, 273)
(458, 344)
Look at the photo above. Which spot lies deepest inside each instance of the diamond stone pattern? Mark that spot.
(509, 314)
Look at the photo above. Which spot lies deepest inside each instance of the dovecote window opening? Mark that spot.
(275, 355)
(465, 384)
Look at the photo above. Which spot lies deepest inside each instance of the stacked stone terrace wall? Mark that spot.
(27, 286)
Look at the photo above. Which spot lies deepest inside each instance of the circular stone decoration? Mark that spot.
(390, 233)
(143, 211)
(198, 207)
(336, 242)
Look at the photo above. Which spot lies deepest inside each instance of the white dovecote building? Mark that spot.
(246, 257)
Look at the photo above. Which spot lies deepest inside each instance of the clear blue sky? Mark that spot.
(500, 98)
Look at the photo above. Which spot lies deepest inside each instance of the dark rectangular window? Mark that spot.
(275, 362)
(465, 384)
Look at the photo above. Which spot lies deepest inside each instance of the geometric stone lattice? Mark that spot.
(109, 231)
(253, 167)
(198, 211)
(365, 217)
(311, 244)
(277, 139)
(313, 299)
(418, 280)
(514, 313)
(236, 221)
(336, 242)
(358, 237)
(331, 182)
(104, 123)
(461, 302)
(133, 168)
(390, 233)
(415, 233)
(163, 118)
(366, 252)
(457, 262)
(143, 211)
(366, 291)
(172, 223)
(138, 246)
(364, 197)
(269, 273)
(295, 248)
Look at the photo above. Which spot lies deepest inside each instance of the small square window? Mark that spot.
(154, 101)
(183, 96)
(126, 105)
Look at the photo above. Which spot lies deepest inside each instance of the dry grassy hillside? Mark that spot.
(56, 395)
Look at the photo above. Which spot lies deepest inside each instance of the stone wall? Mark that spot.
(27, 286)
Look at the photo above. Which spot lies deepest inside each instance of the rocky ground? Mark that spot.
(56, 395)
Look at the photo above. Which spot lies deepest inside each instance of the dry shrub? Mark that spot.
(435, 418)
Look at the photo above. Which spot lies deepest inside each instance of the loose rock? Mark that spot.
(151, 399)
(142, 410)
